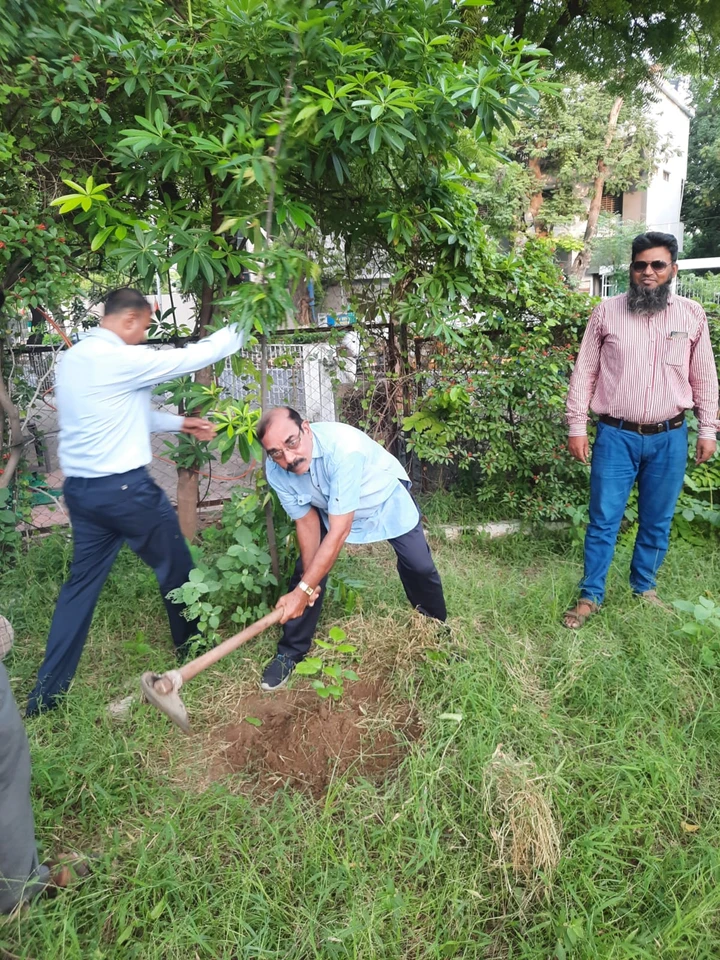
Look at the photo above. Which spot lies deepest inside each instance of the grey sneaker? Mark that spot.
(278, 672)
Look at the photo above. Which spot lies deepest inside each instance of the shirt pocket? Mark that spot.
(676, 350)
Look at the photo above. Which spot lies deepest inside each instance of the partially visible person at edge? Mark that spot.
(338, 485)
(103, 394)
(645, 359)
(22, 876)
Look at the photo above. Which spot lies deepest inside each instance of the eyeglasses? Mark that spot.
(292, 444)
(657, 266)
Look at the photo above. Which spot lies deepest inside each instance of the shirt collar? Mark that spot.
(102, 333)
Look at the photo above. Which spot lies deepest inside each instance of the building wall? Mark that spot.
(659, 205)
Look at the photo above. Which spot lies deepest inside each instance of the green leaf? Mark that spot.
(158, 909)
(228, 224)
(253, 721)
(243, 536)
(125, 934)
(685, 605)
(336, 634)
(55, 114)
(309, 666)
(100, 237)
(309, 111)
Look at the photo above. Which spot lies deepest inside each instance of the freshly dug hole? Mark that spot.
(304, 742)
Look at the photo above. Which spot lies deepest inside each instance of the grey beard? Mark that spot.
(646, 301)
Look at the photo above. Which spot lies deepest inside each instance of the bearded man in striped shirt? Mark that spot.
(645, 359)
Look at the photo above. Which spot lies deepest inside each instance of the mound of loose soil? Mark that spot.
(305, 742)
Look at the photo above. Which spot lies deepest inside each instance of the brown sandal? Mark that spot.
(650, 596)
(574, 618)
(66, 869)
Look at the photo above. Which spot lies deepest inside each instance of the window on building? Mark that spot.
(666, 175)
(611, 203)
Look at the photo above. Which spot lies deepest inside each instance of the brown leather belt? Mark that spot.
(644, 429)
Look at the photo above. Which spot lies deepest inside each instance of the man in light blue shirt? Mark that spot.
(103, 393)
(339, 486)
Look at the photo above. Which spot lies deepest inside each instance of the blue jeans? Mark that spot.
(619, 458)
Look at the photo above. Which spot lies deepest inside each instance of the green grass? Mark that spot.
(619, 722)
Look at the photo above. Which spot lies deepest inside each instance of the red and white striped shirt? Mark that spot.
(645, 369)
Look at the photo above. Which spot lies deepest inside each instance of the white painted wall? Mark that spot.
(659, 206)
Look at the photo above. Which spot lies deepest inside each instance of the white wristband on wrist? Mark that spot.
(306, 588)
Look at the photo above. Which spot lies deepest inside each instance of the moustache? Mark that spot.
(292, 467)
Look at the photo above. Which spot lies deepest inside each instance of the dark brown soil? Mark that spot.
(305, 742)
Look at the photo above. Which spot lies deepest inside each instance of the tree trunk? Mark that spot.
(10, 411)
(583, 258)
(537, 199)
(188, 485)
(269, 520)
(2, 409)
(301, 300)
(392, 432)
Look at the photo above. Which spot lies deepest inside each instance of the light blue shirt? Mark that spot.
(349, 473)
(103, 392)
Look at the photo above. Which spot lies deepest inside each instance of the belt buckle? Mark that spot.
(641, 428)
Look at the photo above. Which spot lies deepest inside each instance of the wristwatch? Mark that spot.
(305, 588)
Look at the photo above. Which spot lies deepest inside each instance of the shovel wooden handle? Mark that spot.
(196, 666)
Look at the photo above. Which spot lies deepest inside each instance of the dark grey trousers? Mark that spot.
(21, 876)
(418, 574)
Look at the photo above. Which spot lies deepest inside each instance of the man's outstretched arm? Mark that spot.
(145, 367)
(318, 558)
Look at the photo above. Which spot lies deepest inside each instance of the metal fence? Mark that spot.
(308, 377)
(703, 289)
(706, 290)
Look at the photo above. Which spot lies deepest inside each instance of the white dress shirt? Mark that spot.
(103, 393)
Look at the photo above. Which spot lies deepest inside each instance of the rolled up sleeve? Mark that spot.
(295, 506)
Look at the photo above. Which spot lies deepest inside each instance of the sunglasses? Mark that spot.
(640, 266)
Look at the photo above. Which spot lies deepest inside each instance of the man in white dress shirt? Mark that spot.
(103, 390)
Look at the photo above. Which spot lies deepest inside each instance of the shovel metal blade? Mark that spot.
(168, 703)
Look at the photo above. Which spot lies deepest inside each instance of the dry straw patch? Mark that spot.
(524, 664)
(390, 645)
(523, 828)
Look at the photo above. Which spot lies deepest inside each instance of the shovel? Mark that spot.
(161, 690)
